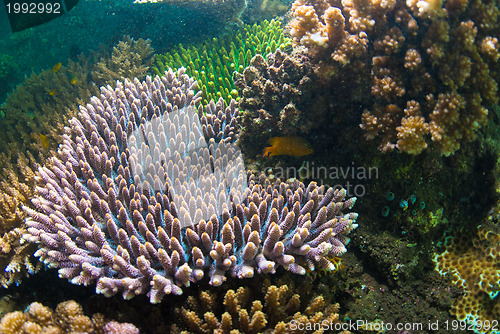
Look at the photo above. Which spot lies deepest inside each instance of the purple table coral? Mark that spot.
(145, 198)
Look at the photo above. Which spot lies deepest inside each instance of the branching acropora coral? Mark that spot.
(436, 95)
(68, 318)
(212, 63)
(138, 219)
(129, 59)
(35, 116)
(277, 308)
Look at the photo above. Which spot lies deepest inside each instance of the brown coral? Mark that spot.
(129, 59)
(67, 318)
(277, 308)
(445, 54)
(275, 95)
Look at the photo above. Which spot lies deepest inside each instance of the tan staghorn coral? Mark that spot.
(129, 59)
(472, 260)
(16, 187)
(67, 318)
(281, 308)
(412, 130)
(324, 34)
(489, 47)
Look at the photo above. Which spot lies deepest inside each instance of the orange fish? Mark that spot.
(294, 146)
(74, 80)
(56, 67)
(52, 92)
(43, 139)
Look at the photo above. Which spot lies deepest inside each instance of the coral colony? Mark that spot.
(143, 198)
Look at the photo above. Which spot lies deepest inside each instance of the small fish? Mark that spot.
(56, 67)
(42, 138)
(74, 80)
(52, 92)
(294, 146)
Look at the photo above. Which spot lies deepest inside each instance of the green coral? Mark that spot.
(213, 63)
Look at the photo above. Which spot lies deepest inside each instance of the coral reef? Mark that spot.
(129, 59)
(68, 318)
(276, 99)
(35, 116)
(36, 110)
(16, 256)
(281, 308)
(110, 208)
(212, 63)
(472, 261)
(433, 68)
(42, 104)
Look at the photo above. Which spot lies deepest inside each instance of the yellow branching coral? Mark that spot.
(412, 130)
(279, 308)
(67, 318)
(16, 187)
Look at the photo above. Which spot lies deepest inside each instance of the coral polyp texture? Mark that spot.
(35, 116)
(281, 308)
(145, 198)
(129, 59)
(433, 65)
(277, 99)
(213, 62)
(68, 317)
(473, 263)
